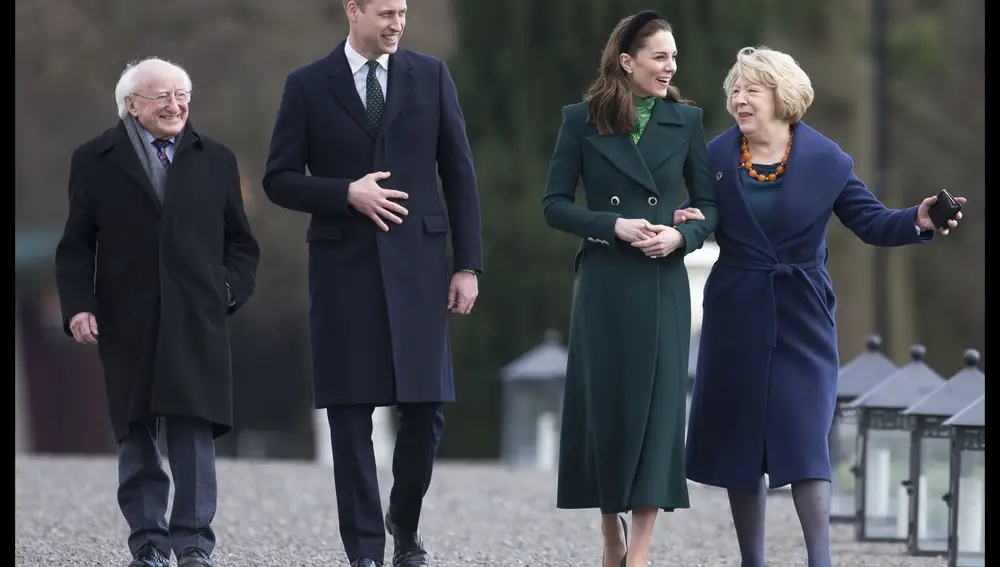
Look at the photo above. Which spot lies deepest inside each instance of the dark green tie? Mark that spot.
(375, 100)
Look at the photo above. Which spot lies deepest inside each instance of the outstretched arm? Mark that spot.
(874, 223)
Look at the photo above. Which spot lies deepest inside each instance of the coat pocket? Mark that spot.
(320, 232)
(435, 223)
(831, 302)
(221, 289)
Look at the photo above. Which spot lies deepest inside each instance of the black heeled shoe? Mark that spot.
(625, 530)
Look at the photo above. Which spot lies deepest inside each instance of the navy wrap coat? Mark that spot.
(765, 385)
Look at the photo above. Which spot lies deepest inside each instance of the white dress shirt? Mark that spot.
(359, 68)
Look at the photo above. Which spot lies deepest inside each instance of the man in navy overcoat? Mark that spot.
(376, 125)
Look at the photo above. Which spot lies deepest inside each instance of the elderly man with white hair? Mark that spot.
(156, 253)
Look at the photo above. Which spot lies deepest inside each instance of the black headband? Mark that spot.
(633, 27)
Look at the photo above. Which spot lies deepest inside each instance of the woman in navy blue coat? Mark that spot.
(765, 386)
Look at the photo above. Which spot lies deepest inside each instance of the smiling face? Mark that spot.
(376, 25)
(160, 99)
(653, 66)
(753, 106)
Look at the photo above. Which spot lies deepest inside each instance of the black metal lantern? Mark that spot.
(532, 404)
(883, 504)
(967, 500)
(930, 453)
(855, 378)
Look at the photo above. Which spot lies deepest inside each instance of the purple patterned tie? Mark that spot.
(161, 147)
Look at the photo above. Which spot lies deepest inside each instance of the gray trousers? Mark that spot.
(144, 488)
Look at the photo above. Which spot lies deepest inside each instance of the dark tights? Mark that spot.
(812, 504)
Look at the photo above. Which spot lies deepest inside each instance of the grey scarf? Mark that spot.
(147, 155)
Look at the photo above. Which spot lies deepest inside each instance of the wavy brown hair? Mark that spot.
(609, 98)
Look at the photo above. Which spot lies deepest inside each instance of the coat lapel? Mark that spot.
(622, 153)
(810, 186)
(657, 143)
(400, 80)
(188, 138)
(740, 220)
(340, 80)
(123, 154)
(660, 139)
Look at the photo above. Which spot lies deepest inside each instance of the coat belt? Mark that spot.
(778, 270)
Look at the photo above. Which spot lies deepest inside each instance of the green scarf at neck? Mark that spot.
(643, 109)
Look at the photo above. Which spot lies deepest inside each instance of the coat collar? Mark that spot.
(356, 61)
(117, 144)
(117, 135)
(660, 140)
(817, 172)
(340, 80)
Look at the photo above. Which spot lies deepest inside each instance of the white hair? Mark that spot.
(129, 80)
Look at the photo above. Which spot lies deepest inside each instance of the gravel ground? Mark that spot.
(283, 514)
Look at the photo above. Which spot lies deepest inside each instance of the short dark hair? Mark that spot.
(361, 4)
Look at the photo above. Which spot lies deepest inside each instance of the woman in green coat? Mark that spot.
(632, 141)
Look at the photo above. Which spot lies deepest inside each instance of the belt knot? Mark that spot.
(782, 269)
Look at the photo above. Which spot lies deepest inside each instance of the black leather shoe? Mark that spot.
(194, 557)
(408, 547)
(149, 556)
(365, 563)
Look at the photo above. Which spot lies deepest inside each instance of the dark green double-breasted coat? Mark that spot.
(622, 440)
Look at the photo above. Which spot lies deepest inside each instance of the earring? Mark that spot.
(629, 71)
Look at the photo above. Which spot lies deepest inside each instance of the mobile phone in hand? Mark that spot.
(946, 209)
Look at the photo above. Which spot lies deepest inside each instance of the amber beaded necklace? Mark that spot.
(747, 163)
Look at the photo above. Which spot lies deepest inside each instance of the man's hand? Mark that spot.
(84, 328)
(690, 213)
(369, 199)
(463, 293)
(664, 243)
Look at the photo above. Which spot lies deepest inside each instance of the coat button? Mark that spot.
(615, 200)
(652, 201)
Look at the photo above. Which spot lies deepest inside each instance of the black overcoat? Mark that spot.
(155, 275)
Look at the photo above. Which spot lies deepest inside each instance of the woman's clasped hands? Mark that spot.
(654, 240)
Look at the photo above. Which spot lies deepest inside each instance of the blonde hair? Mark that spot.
(793, 91)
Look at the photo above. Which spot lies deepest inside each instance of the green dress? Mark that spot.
(622, 436)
